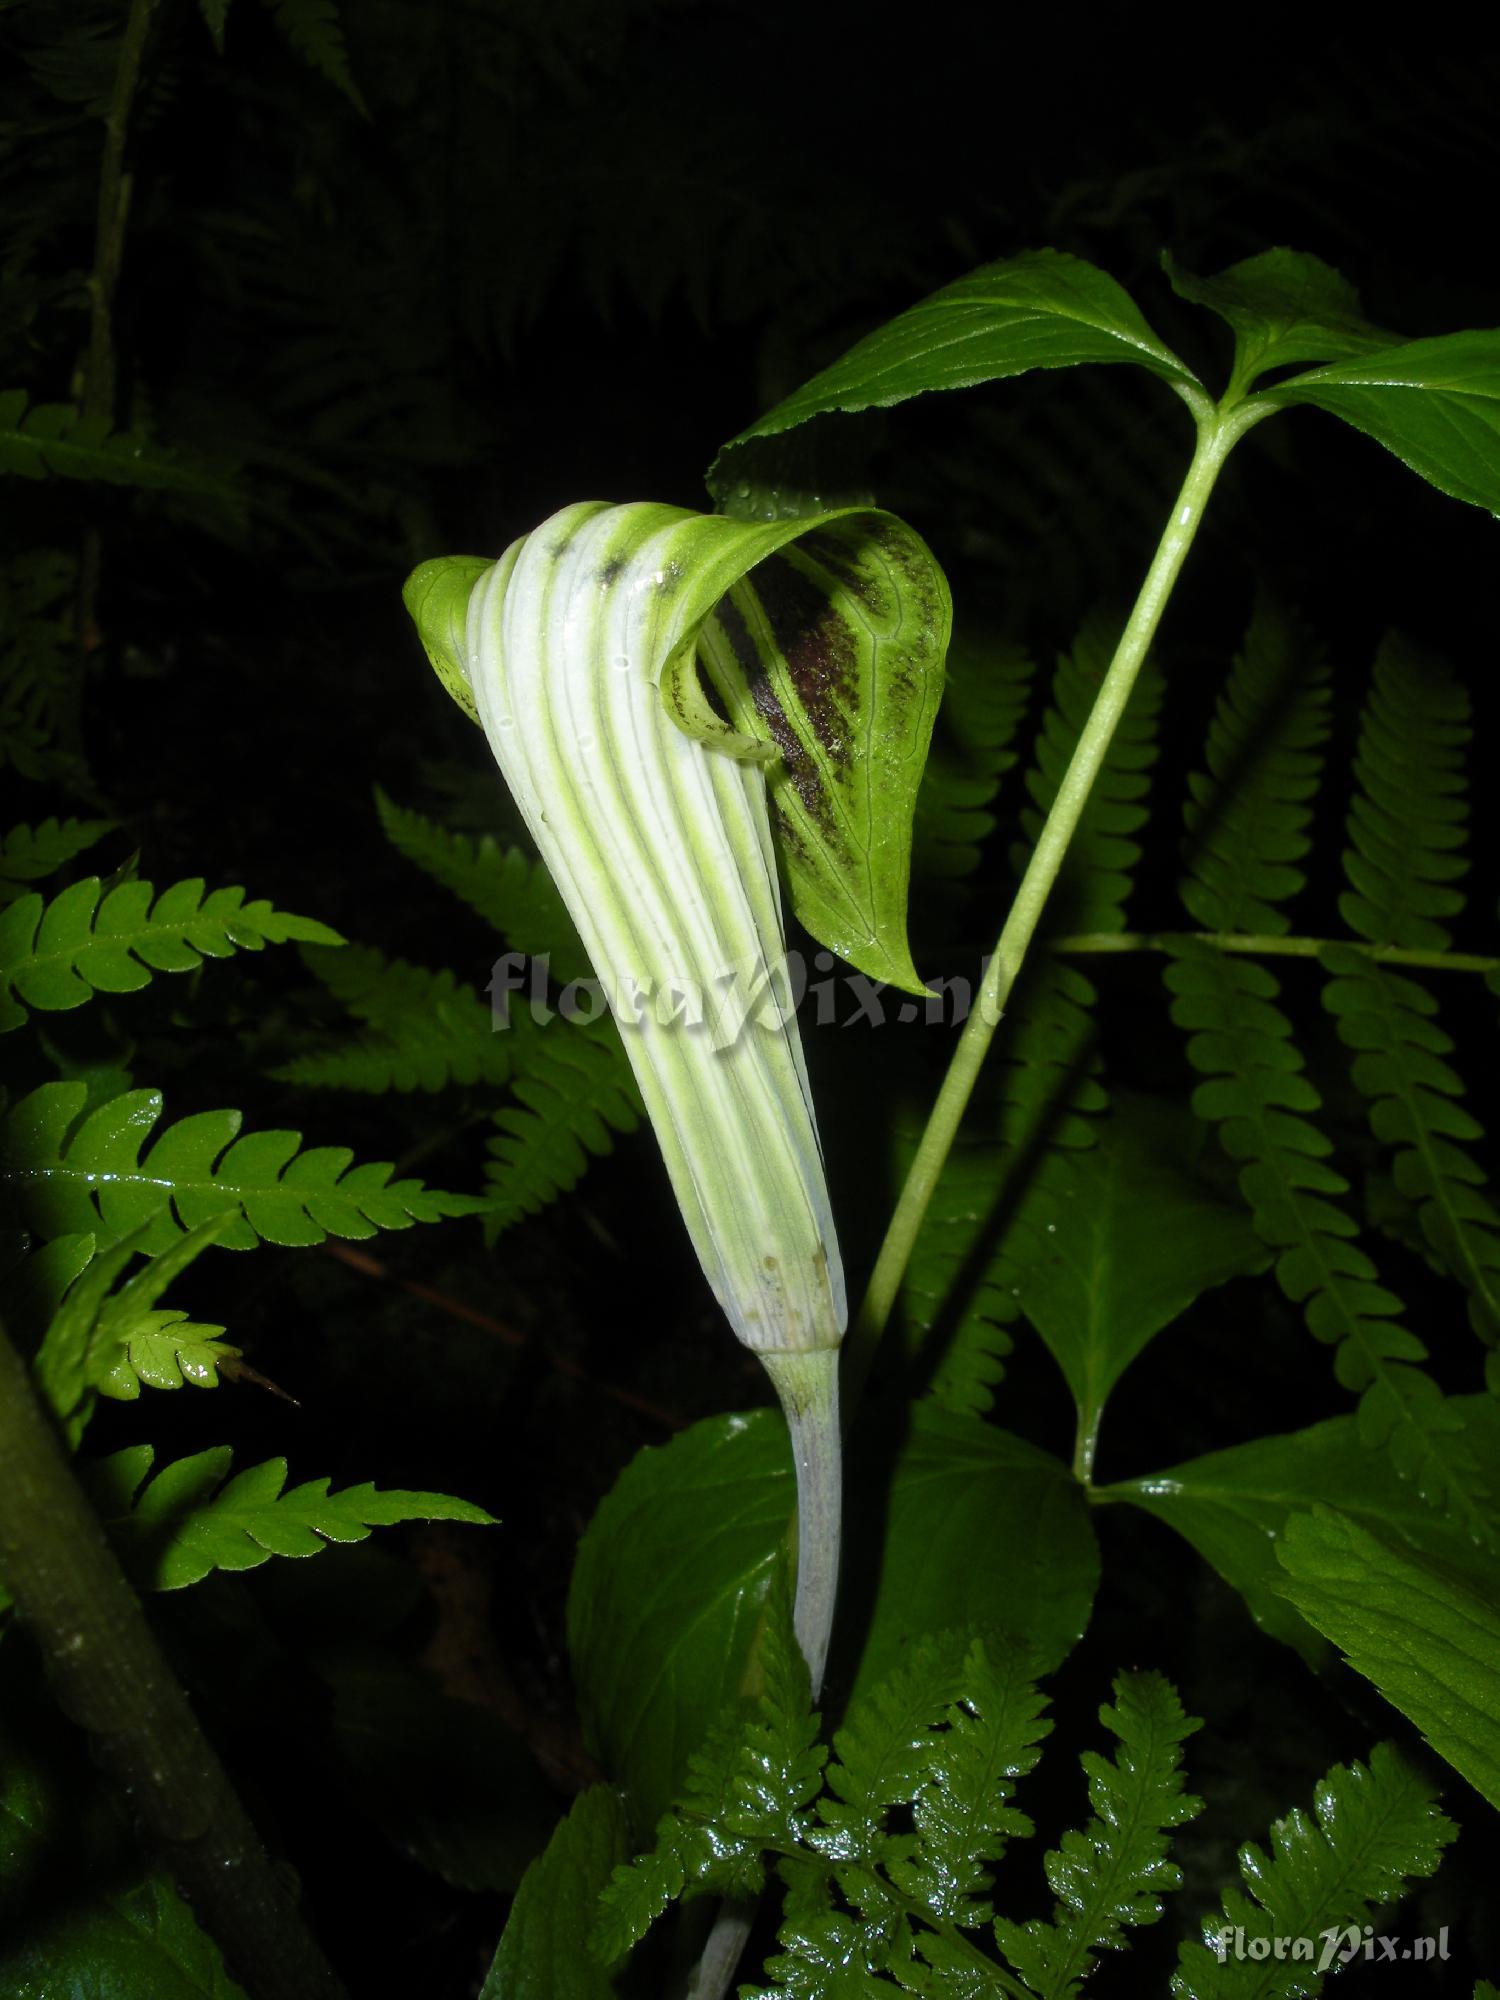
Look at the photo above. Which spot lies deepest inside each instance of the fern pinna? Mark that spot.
(1248, 832)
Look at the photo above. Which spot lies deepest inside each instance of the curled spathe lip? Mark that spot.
(578, 642)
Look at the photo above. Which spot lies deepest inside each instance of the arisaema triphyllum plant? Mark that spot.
(673, 699)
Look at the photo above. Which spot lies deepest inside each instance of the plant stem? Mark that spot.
(111, 1677)
(808, 1385)
(1092, 943)
(1217, 434)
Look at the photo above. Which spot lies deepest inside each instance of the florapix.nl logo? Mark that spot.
(1339, 1945)
(755, 994)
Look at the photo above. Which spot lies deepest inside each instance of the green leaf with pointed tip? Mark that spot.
(436, 596)
(1425, 1631)
(1233, 1506)
(1285, 307)
(1134, 1242)
(542, 1954)
(1042, 309)
(1434, 403)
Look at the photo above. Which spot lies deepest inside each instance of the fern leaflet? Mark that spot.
(91, 1177)
(1375, 1827)
(984, 701)
(1265, 755)
(1112, 1874)
(1095, 882)
(185, 1522)
(748, 1790)
(1248, 817)
(31, 853)
(424, 1029)
(1406, 830)
(166, 1350)
(314, 30)
(514, 895)
(962, 1813)
(883, 1753)
(56, 438)
(573, 1090)
(57, 955)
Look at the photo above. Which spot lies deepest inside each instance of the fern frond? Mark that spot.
(1406, 829)
(961, 1814)
(57, 438)
(314, 29)
(1095, 881)
(1408, 822)
(91, 1177)
(960, 1289)
(57, 955)
(1248, 817)
(1113, 1873)
(1375, 1828)
(748, 1790)
(425, 1029)
(1417, 1105)
(984, 701)
(1259, 1095)
(574, 1090)
(514, 895)
(32, 853)
(182, 1523)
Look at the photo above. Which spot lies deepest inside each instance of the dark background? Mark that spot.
(565, 251)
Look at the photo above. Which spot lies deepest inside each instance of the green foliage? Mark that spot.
(55, 438)
(1407, 829)
(1426, 1631)
(539, 1956)
(315, 30)
(31, 853)
(747, 1790)
(178, 1524)
(1097, 1286)
(1285, 308)
(69, 1173)
(1095, 882)
(423, 1029)
(573, 1091)
(1113, 1874)
(1434, 403)
(1039, 310)
(961, 1288)
(671, 1579)
(1258, 1091)
(1375, 1827)
(1233, 1506)
(984, 701)
(514, 895)
(56, 955)
(1248, 817)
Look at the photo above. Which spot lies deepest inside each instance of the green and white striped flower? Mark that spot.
(579, 652)
(661, 848)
